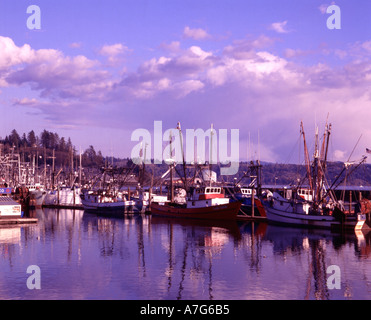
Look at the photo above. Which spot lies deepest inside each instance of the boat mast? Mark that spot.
(80, 169)
(315, 170)
(211, 150)
(182, 150)
(306, 156)
(323, 158)
(171, 169)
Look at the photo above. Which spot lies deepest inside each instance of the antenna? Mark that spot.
(354, 147)
(258, 144)
(211, 151)
(249, 148)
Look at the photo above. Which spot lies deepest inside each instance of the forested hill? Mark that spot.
(282, 174)
(46, 144)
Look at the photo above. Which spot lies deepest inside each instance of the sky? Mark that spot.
(96, 71)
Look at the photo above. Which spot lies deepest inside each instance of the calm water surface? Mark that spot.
(82, 256)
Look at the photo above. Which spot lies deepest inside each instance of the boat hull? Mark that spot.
(9, 208)
(282, 217)
(226, 211)
(63, 198)
(246, 207)
(109, 207)
(103, 207)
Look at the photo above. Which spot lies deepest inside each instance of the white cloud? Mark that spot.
(172, 47)
(279, 27)
(50, 71)
(339, 155)
(184, 88)
(114, 52)
(252, 88)
(196, 34)
(323, 7)
(75, 45)
(11, 55)
(179, 74)
(25, 101)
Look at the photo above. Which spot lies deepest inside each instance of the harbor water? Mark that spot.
(142, 257)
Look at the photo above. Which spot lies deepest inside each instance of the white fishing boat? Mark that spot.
(315, 205)
(290, 209)
(37, 195)
(104, 202)
(9, 208)
(63, 196)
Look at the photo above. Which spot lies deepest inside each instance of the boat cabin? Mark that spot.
(306, 194)
(205, 193)
(246, 192)
(9, 208)
(206, 197)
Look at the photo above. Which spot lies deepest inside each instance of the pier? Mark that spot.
(10, 221)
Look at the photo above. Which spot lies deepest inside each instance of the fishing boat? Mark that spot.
(251, 205)
(9, 208)
(104, 202)
(37, 198)
(289, 208)
(63, 197)
(145, 198)
(249, 192)
(205, 203)
(313, 205)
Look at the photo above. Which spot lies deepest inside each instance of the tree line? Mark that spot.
(41, 148)
(47, 144)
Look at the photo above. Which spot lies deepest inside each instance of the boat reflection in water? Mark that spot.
(315, 251)
(84, 256)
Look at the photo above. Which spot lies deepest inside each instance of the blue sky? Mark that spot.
(98, 70)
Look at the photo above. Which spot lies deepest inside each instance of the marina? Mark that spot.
(202, 151)
(143, 257)
(183, 233)
(185, 150)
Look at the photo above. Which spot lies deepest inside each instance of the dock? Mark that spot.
(8, 221)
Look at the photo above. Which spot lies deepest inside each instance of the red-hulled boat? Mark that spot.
(205, 203)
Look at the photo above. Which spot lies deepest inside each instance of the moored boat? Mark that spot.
(314, 205)
(9, 208)
(291, 209)
(205, 203)
(106, 203)
(250, 205)
(63, 196)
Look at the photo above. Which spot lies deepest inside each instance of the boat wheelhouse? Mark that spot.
(9, 208)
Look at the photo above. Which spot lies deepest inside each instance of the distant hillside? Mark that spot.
(275, 173)
(280, 174)
(289, 173)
